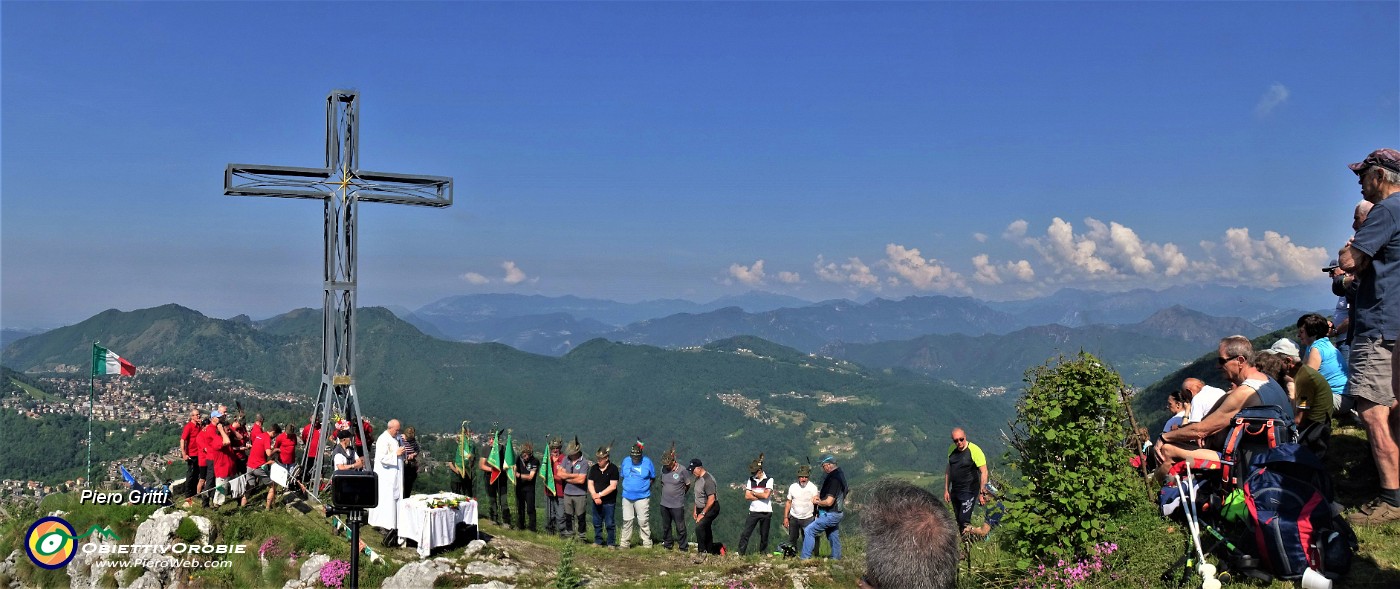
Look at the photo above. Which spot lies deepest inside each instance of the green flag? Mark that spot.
(464, 453)
(509, 458)
(547, 467)
(493, 459)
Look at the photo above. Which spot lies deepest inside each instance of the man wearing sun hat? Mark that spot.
(758, 490)
(573, 471)
(830, 504)
(1373, 256)
(1312, 397)
(637, 475)
(800, 510)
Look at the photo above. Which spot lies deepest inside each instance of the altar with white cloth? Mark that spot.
(431, 520)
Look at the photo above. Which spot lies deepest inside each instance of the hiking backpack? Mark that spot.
(1253, 431)
(1293, 520)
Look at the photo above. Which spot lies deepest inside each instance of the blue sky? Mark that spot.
(647, 150)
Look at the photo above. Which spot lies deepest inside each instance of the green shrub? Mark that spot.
(1068, 445)
(567, 575)
(187, 530)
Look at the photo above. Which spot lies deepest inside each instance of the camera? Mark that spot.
(354, 489)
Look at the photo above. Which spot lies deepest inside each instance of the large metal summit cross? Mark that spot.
(340, 185)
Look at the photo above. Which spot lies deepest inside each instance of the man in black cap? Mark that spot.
(706, 506)
(830, 504)
(1373, 256)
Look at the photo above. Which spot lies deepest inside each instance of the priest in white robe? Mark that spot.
(388, 466)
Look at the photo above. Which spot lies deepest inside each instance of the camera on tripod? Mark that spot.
(353, 490)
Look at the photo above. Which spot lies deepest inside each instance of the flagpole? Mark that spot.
(92, 376)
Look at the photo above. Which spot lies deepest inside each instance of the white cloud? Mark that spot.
(1115, 253)
(750, 275)
(1016, 231)
(923, 274)
(980, 237)
(1273, 260)
(1276, 95)
(853, 272)
(474, 278)
(786, 277)
(514, 275)
(988, 273)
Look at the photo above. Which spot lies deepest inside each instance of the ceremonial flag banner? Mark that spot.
(493, 459)
(509, 459)
(106, 362)
(548, 468)
(464, 453)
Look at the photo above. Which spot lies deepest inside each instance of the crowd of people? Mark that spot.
(227, 461)
(1315, 380)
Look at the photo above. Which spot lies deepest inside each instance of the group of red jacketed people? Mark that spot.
(225, 460)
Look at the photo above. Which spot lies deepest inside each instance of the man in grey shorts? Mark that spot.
(1373, 256)
(573, 470)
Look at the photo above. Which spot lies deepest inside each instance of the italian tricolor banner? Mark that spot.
(106, 362)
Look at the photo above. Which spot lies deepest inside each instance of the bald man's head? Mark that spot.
(1192, 386)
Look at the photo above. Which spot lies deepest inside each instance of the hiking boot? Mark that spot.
(1375, 512)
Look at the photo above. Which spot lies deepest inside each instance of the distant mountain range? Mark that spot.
(1140, 352)
(554, 325)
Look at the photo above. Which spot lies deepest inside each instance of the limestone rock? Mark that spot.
(416, 575)
(491, 585)
(474, 547)
(160, 527)
(311, 569)
(486, 569)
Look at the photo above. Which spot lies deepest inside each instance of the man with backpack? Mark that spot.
(1252, 388)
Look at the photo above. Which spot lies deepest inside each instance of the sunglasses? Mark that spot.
(1224, 361)
(959, 439)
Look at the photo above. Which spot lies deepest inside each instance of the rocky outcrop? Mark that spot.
(418, 574)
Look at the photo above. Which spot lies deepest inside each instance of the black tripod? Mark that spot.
(353, 518)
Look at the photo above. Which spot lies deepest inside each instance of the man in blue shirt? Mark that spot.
(637, 476)
(1373, 256)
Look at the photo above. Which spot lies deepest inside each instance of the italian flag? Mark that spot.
(106, 362)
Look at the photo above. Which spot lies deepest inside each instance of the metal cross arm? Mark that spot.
(320, 183)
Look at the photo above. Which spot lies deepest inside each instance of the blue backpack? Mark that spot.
(1291, 515)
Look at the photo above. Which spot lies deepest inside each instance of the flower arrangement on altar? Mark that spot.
(452, 502)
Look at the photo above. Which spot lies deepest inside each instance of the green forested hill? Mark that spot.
(725, 402)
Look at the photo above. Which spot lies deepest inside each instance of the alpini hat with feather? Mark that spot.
(756, 465)
(668, 458)
(575, 447)
(637, 449)
(603, 452)
(556, 443)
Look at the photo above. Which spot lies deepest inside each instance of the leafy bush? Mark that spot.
(1068, 443)
(187, 530)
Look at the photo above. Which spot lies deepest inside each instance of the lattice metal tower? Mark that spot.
(341, 185)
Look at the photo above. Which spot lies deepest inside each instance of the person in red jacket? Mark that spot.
(210, 443)
(214, 443)
(259, 451)
(189, 450)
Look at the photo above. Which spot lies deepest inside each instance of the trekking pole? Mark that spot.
(1207, 570)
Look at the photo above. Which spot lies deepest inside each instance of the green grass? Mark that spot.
(1149, 545)
(36, 393)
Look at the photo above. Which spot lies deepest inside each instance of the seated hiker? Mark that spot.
(1180, 406)
(1252, 388)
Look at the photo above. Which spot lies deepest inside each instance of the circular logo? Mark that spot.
(50, 543)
